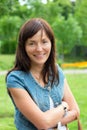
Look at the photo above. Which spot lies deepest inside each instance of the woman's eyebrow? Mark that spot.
(30, 40)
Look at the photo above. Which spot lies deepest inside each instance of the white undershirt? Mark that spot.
(51, 106)
(51, 103)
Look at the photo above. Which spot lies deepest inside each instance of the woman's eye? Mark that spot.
(44, 41)
(31, 43)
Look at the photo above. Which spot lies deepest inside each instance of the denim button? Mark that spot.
(56, 104)
(49, 88)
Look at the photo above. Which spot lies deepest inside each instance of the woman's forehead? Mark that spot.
(41, 33)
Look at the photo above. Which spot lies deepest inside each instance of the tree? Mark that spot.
(57, 13)
(9, 26)
(68, 33)
(81, 16)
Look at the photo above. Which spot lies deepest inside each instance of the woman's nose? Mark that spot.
(39, 47)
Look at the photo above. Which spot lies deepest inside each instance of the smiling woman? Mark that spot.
(38, 48)
(36, 84)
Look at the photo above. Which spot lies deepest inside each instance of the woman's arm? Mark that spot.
(74, 111)
(42, 120)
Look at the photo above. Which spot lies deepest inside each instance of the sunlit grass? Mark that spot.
(6, 108)
(6, 62)
(78, 84)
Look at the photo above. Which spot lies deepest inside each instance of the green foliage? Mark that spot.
(68, 21)
(4, 7)
(81, 15)
(70, 33)
(9, 26)
(7, 7)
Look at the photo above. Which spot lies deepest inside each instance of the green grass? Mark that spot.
(78, 86)
(6, 108)
(6, 61)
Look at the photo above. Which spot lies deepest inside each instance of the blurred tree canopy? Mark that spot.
(67, 19)
(81, 16)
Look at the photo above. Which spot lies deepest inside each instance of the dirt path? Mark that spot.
(3, 72)
(67, 71)
(75, 71)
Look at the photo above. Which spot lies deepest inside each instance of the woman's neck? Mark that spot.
(36, 69)
(37, 74)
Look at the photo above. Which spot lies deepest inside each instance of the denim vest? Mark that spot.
(40, 95)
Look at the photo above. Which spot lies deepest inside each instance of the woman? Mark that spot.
(36, 84)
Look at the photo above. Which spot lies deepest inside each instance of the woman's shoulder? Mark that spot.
(15, 78)
(16, 75)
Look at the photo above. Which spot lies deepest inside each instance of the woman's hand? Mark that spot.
(65, 104)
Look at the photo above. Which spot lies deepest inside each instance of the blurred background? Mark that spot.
(68, 19)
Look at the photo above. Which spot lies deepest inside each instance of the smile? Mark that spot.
(39, 55)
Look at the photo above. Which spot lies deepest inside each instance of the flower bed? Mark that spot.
(75, 65)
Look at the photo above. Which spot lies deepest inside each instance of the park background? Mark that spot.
(69, 22)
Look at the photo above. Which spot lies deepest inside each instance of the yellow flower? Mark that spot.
(75, 65)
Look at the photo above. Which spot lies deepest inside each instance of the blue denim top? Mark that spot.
(40, 95)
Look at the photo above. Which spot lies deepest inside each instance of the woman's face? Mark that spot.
(38, 48)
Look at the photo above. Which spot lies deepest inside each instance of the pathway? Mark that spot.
(66, 71)
(75, 71)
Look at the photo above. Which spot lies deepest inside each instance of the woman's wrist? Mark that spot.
(65, 109)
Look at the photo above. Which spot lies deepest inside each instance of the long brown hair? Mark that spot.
(22, 61)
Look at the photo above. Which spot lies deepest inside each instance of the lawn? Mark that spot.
(6, 61)
(6, 108)
(78, 86)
